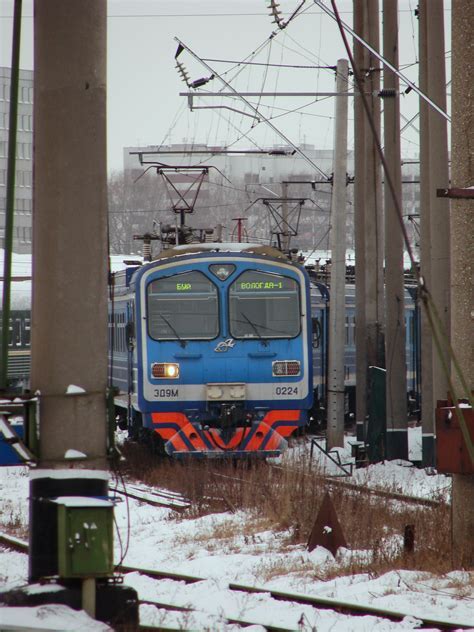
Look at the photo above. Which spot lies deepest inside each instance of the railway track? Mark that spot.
(366, 491)
(244, 623)
(372, 491)
(318, 602)
(155, 498)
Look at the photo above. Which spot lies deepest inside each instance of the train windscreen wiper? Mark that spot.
(181, 341)
(255, 328)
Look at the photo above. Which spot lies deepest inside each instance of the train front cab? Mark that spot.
(223, 354)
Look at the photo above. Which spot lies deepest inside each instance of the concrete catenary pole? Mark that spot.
(361, 62)
(396, 386)
(439, 178)
(69, 320)
(10, 197)
(374, 288)
(285, 238)
(335, 420)
(462, 253)
(427, 410)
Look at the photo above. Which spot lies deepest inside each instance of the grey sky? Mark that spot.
(143, 84)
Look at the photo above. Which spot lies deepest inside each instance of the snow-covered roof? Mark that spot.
(227, 246)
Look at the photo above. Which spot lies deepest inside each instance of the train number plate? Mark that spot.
(166, 392)
(284, 392)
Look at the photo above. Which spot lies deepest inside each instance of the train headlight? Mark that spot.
(285, 368)
(168, 370)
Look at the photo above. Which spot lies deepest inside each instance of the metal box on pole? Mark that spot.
(85, 537)
(451, 444)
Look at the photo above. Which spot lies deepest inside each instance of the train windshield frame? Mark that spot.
(264, 305)
(183, 306)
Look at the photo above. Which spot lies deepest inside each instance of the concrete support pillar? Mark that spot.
(335, 422)
(439, 179)
(462, 255)
(285, 237)
(69, 320)
(361, 62)
(396, 385)
(374, 250)
(427, 409)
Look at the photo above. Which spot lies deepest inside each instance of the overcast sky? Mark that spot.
(144, 106)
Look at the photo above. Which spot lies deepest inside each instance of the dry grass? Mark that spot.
(12, 523)
(288, 500)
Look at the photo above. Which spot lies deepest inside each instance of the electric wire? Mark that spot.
(123, 550)
(267, 42)
(265, 74)
(252, 55)
(270, 65)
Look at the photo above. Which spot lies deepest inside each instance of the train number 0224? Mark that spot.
(286, 390)
(167, 393)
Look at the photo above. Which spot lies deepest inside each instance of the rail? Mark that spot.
(343, 607)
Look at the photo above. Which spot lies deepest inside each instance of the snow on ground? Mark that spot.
(394, 476)
(221, 548)
(50, 618)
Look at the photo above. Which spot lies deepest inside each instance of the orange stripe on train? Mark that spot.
(281, 416)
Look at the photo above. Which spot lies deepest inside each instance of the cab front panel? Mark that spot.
(222, 353)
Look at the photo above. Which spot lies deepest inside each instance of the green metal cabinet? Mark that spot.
(85, 537)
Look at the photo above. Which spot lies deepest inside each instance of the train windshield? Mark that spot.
(183, 307)
(264, 305)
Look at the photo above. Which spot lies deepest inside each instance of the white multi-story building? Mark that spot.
(22, 231)
(270, 165)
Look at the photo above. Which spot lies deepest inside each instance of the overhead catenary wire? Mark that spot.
(270, 65)
(256, 111)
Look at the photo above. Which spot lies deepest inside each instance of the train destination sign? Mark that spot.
(187, 283)
(261, 285)
(259, 282)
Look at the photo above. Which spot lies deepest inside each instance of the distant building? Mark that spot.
(255, 173)
(279, 163)
(22, 231)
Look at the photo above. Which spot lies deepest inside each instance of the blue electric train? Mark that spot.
(320, 306)
(220, 349)
(211, 350)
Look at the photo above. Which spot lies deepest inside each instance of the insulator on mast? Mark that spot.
(276, 13)
(182, 72)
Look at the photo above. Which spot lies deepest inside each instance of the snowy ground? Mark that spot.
(220, 549)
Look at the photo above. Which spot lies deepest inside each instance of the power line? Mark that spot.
(256, 63)
(180, 15)
(183, 46)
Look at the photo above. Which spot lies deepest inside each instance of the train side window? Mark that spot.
(16, 342)
(317, 332)
(27, 332)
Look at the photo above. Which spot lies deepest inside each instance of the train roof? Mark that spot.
(189, 249)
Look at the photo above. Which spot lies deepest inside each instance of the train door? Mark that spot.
(134, 416)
